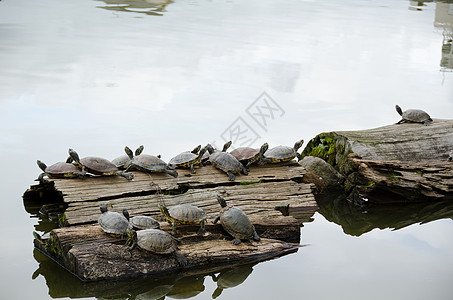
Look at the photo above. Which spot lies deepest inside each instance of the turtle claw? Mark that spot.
(236, 241)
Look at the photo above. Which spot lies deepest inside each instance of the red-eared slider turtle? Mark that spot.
(248, 155)
(123, 161)
(187, 160)
(97, 165)
(143, 222)
(413, 116)
(112, 222)
(148, 163)
(58, 170)
(282, 153)
(235, 222)
(155, 241)
(226, 162)
(205, 159)
(184, 214)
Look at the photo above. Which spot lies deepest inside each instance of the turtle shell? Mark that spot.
(60, 170)
(280, 154)
(156, 241)
(187, 214)
(98, 165)
(149, 163)
(244, 153)
(144, 222)
(226, 162)
(416, 116)
(113, 223)
(183, 159)
(121, 162)
(236, 223)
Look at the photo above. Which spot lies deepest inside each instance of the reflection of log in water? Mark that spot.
(148, 7)
(357, 221)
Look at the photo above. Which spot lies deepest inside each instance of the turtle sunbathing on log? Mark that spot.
(413, 116)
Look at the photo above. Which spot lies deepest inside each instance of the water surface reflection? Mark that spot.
(148, 7)
(357, 221)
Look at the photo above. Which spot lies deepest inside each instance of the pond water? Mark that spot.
(99, 75)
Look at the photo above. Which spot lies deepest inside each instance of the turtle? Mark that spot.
(187, 160)
(112, 222)
(282, 153)
(235, 222)
(97, 166)
(226, 162)
(143, 222)
(155, 241)
(184, 214)
(413, 116)
(205, 159)
(148, 163)
(122, 162)
(248, 155)
(58, 170)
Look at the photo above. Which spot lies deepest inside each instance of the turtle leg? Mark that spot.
(171, 173)
(191, 168)
(216, 220)
(231, 175)
(236, 241)
(182, 260)
(401, 121)
(128, 176)
(244, 171)
(256, 236)
(202, 230)
(41, 178)
(173, 228)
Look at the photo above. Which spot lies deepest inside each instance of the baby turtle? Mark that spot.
(58, 170)
(187, 159)
(144, 222)
(248, 155)
(205, 159)
(235, 222)
(184, 214)
(97, 165)
(282, 153)
(123, 161)
(413, 116)
(148, 163)
(113, 223)
(226, 162)
(155, 241)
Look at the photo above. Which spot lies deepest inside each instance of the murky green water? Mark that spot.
(98, 75)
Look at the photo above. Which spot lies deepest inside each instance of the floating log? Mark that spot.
(396, 163)
(85, 250)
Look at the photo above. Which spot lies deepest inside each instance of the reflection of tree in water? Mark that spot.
(230, 278)
(357, 221)
(148, 7)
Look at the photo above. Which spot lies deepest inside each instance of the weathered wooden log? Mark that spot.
(90, 254)
(395, 163)
(85, 250)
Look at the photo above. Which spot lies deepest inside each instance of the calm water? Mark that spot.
(98, 75)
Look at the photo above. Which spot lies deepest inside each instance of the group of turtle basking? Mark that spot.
(144, 232)
(234, 162)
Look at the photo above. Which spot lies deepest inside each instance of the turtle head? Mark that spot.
(103, 208)
(129, 152)
(264, 148)
(41, 165)
(209, 148)
(226, 146)
(298, 144)
(196, 149)
(139, 150)
(221, 201)
(164, 210)
(74, 156)
(126, 214)
(399, 110)
(132, 238)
